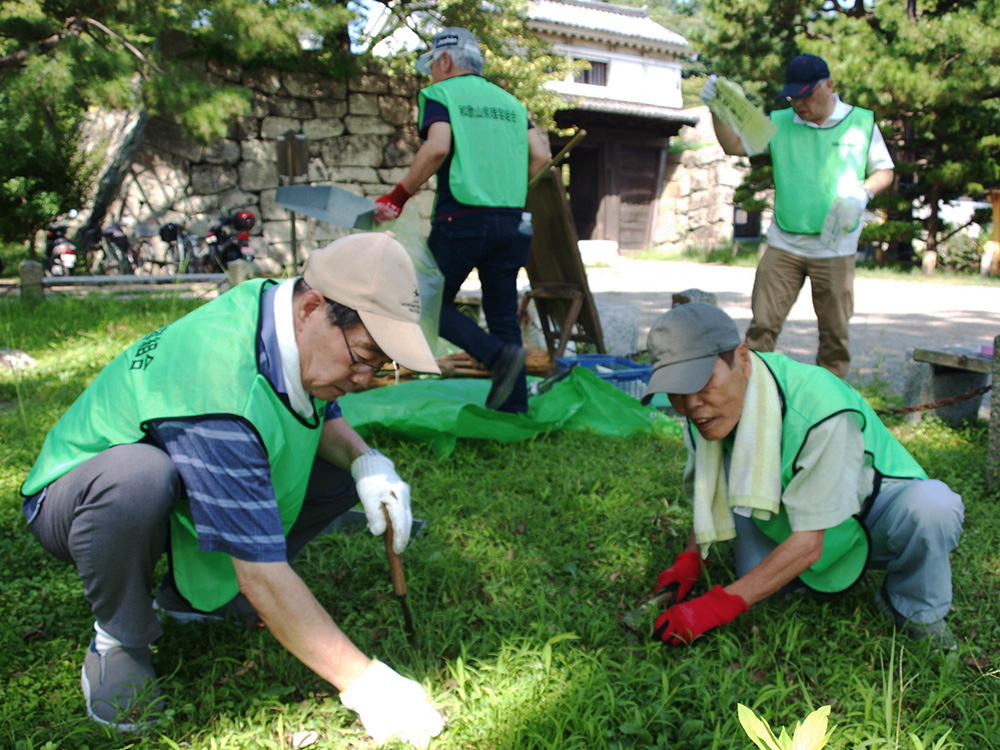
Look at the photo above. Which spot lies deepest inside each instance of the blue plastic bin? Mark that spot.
(626, 375)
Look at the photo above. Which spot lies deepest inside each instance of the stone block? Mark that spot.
(197, 205)
(209, 179)
(370, 83)
(321, 128)
(396, 110)
(367, 125)
(256, 176)
(391, 176)
(924, 383)
(362, 104)
(231, 200)
(354, 151)
(400, 152)
(269, 208)
(299, 109)
(223, 151)
(245, 127)
(265, 80)
(272, 127)
(260, 105)
(169, 137)
(311, 86)
(354, 175)
(258, 150)
(330, 108)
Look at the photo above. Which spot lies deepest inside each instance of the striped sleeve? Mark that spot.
(227, 480)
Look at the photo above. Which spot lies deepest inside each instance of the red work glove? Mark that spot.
(682, 623)
(390, 205)
(679, 577)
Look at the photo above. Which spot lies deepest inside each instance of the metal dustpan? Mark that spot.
(328, 203)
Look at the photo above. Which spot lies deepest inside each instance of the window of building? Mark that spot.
(596, 76)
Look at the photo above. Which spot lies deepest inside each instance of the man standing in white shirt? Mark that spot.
(829, 161)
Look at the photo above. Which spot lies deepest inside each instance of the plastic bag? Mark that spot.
(430, 281)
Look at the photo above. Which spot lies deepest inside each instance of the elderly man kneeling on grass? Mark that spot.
(219, 438)
(792, 464)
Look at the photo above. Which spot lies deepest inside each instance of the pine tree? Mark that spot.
(57, 60)
(929, 68)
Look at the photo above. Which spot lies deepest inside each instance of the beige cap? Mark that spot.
(372, 273)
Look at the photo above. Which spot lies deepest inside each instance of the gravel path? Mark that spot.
(891, 317)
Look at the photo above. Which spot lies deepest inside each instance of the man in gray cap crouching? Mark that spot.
(792, 463)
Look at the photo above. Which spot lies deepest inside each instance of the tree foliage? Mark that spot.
(513, 56)
(60, 59)
(929, 68)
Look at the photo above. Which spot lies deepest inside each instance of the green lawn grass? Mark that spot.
(532, 555)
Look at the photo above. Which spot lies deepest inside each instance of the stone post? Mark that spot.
(31, 280)
(239, 271)
(993, 448)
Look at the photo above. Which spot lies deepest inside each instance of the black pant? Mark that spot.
(109, 517)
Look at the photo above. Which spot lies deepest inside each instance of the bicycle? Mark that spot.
(112, 252)
(182, 247)
(145, 251)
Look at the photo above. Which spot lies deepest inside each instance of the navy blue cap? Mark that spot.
(802, 75)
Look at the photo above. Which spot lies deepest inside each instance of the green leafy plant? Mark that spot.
(812, 734)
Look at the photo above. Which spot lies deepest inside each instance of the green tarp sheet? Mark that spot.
(439, 411)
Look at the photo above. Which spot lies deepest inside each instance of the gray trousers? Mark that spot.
(913, 527)
(109, 517)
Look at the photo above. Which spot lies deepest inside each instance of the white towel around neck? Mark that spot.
(754, 480)
(284, 327)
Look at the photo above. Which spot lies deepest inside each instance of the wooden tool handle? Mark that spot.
(555, 159)
(395, 564)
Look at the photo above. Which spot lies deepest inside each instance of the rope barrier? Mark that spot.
(937, 404)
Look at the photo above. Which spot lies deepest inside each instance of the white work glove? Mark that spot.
(708, 90)
(379, 485)
(388, 704)
(843, 216)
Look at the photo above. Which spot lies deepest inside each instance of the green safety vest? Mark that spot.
(489, 128)
(809, 396)
(167, 375)
(810, 164)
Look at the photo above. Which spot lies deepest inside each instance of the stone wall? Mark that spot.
(361, 136)
(696, 205)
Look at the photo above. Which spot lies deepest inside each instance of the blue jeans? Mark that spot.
(497, 244)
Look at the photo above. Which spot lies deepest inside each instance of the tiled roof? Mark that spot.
(594, 15)
(645, 111)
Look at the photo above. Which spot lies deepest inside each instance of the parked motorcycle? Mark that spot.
(60, 252)
(228, 239)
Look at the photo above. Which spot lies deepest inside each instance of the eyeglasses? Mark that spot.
(364, 367)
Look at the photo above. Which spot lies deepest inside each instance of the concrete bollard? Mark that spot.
(31, 280)
(239, 271)
(693, 295)
(619, 327)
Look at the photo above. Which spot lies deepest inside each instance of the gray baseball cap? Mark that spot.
(446, 40)
(683, 345)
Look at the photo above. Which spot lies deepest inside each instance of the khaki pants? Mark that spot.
(780, 276)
